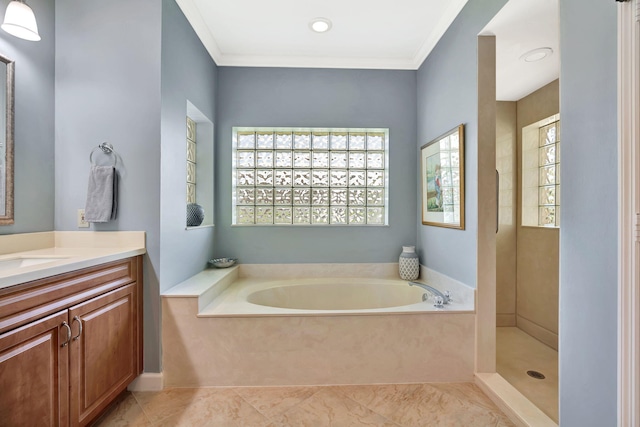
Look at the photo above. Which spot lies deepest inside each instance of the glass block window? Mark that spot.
(549, 176)
(191, 161)
(541, 173)
(310, 176)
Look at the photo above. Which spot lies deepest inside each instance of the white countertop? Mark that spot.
(72, 250)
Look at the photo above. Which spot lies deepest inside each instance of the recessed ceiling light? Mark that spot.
(320, 25)
(537, 54)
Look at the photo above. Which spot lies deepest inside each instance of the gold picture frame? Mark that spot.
(442, 180)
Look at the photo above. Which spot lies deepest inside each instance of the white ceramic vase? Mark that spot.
(409, 263)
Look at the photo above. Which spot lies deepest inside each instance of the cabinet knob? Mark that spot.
(66, 325)
(76, 318)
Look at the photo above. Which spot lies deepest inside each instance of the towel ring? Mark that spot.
(106, 149)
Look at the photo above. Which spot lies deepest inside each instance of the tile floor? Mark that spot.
(516, 353)
(460, 404)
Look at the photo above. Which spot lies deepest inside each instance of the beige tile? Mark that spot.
(127, 412)
(163, 404)
(303, 351)
(506, 237)
(447, 410)
(274, 401)
(199, 407)
(446, 404)
(466, 392)
(467, 417)
(386, 399)
(470, 398)
(329, 408)
(402, 403)
(428, 404)
(293, 271)
(516, 353)
(538, 276)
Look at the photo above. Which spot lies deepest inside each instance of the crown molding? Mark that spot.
(454, 9)
(194, 16)
(314, 62)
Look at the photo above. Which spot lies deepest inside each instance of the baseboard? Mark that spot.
(147, 381)
(518, 408)
(538, 332)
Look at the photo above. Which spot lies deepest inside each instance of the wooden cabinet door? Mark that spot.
(34, 373)
(103, 355)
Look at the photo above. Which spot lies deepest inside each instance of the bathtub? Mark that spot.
(328, 296)
(260, 330)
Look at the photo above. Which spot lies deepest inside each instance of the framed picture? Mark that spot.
(442, 180)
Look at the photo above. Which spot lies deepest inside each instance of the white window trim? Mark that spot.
(628, 214)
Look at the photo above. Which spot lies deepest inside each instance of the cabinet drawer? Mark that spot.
(29, 301)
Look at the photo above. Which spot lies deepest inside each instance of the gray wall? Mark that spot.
(319, 98)
(108, 89)
(447, 97)
(589, 218)
(34, 122)
(188, 73)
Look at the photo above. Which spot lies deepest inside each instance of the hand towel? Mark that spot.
(114, 208)
(101, 194)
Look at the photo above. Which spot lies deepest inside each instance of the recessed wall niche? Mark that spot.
(199, 167)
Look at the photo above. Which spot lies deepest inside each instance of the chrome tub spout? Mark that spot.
(440, 298)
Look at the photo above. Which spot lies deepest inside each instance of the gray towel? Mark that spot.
(102, 194)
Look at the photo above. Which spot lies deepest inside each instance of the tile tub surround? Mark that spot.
(75, 250)
(461, 293)
(309, 350)
(297, 271)
(396, 405)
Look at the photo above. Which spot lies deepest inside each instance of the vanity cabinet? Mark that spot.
(69, 344)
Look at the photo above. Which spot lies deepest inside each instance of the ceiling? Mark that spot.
(373, 34)
(380, 34)
(519, 27)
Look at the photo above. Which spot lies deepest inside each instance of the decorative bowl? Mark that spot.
(223, 262)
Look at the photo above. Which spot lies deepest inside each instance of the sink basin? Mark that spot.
(26, 261)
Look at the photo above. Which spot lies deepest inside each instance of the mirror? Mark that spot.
(6, 140)
(442, 179)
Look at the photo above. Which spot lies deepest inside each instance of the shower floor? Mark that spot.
(516, 353)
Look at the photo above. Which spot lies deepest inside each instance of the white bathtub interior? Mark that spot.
(329, 295)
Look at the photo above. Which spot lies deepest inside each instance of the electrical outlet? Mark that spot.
(82, 222)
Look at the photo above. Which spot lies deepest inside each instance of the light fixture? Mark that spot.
(320, 25)
(20, 21)
(537, 54)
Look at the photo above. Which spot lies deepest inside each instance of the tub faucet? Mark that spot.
(440, 298)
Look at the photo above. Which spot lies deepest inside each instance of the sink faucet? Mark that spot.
(441, 298)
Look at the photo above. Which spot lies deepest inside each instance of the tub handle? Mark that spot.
(438, 301)
(447, 295)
